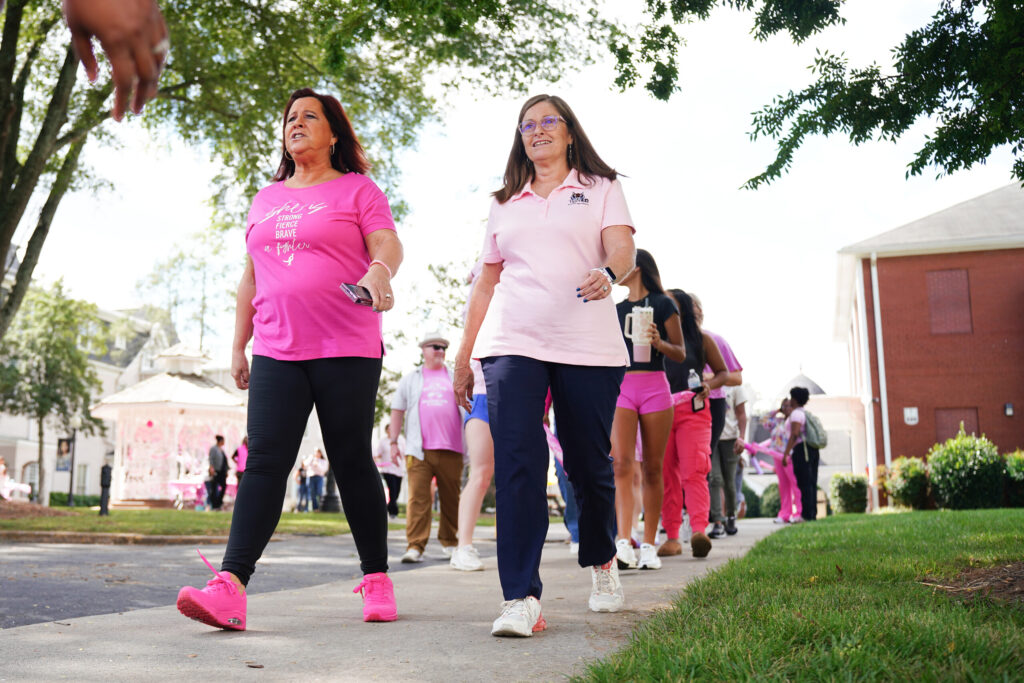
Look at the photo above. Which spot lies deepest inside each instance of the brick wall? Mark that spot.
(946, 374)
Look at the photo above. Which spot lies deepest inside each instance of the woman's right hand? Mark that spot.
(463, 385)
(240, 369)
(704, 391)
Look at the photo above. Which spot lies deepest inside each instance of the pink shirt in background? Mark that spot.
(243, 455)
(304, 243)
(731, 364)
(440, 420)
(547, 246)
(797, 415)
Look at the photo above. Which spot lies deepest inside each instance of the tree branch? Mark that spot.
(35, 243)
(9, 49)
(14, 205)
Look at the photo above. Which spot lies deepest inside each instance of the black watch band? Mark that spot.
(611, 273)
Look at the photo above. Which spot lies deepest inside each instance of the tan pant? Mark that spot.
(447, 467)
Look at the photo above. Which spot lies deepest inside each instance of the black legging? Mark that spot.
(394, 483)
(805, 467)
(281, 395)
(717, 406)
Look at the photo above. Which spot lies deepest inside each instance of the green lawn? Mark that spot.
(842, 599)
(178, 523)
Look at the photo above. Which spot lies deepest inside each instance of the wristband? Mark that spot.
(607, 272)
(382, 265)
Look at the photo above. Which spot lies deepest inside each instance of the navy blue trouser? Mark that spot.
(584, 401)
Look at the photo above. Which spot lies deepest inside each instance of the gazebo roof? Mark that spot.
(170, 388)
(803, 380)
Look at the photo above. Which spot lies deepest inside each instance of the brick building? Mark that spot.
(933, 317)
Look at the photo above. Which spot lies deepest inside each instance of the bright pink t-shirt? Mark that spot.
(547, 246)
(731, 363)
(440, 421)
(243, 455)
(304, 243)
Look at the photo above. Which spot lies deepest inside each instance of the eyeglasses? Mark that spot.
(529, 127)
(437, 347)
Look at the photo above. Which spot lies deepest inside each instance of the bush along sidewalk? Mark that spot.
(966, 472)
(906, 482)
(850, 598)
(848, 492)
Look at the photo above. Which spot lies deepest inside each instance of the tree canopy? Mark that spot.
(233, 64)
(964, 70)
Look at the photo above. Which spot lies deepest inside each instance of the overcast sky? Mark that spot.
(764, 262)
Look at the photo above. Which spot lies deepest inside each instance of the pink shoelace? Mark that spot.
(220, 578)
(363, 585)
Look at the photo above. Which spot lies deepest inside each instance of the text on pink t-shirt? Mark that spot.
(440, 420)
(304, 243)
(546, 247)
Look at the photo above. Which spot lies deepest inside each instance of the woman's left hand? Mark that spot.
(594, 286)
(378, 284)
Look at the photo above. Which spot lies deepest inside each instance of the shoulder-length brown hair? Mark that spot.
(348, 156)
(582, 157)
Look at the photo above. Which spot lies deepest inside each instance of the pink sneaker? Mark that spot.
(220, 604)
(378, 598)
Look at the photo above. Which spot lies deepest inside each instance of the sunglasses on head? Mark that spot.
(437, 347)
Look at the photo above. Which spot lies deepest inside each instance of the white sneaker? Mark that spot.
(466, 559)
(448, 550)
(412, 555)
(624, 554)
(648, 557)
(519, 618)
(574, 548)
(606, 594)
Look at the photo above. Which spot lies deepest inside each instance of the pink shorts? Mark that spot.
(644, 392)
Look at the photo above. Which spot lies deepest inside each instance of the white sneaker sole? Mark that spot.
(463, 568)
(606, 606)
(649, 567)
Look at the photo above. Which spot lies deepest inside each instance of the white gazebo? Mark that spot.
(165, 426)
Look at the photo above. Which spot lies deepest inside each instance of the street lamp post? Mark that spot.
(76, 423)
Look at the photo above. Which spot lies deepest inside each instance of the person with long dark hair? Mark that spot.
(321, 225)
(558, 235)
(645, 402)
(688, 454)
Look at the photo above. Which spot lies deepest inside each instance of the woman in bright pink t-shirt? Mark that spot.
(321, 225)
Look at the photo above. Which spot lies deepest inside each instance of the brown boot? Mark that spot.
(742, 512)
(701, 545)
(670, 547)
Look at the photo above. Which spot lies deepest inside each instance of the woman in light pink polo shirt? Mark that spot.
(540, 318)
(321, 225)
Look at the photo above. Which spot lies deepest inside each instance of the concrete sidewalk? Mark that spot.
(317, 633)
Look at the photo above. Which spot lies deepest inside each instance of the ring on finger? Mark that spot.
(163, 47)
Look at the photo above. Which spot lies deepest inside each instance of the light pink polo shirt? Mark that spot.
(304, 242)
(547, 246)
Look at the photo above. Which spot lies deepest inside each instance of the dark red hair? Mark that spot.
(348, 156)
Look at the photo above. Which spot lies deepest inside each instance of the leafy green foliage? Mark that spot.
(46, 353)
(906, 481)
(60, 499)
(966, 472)
(848, 492)
(962, 71)
(1015, 478)
(753, 501)
(770, 501)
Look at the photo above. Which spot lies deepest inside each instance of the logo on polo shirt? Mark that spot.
(578, 198)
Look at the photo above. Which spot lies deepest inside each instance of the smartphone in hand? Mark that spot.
(358, 294)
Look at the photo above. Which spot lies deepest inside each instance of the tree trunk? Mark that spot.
(35, 243)
(42, 497)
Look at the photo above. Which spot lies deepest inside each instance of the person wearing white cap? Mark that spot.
(424, 403)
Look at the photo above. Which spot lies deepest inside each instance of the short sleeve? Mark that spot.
(664, 309)
(732, 364)
(740, 394)
(490, 253)
(615, 210)
(798, 416)
(374, 210)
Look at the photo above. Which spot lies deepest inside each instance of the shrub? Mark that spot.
(966, 472)
(753, 501)
(1015, 479)
(770, 501)
(848, 492)
(61, 500)
(907, 482)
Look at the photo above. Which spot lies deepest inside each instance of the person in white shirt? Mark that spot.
(723, 463)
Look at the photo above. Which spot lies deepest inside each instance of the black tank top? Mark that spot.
(678, 373)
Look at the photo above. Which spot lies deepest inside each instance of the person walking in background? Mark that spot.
(321, 225)
(644, 404)
(424, 404)
(687, 456)
(392, 468)
(480, 449)
(805, 458)
(790, 504)
(558, 235)
(240, 456)
(723, 462)
(302, 482)
(316, 470)
(217, 474)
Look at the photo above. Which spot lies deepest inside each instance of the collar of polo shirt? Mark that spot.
(571, 180)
